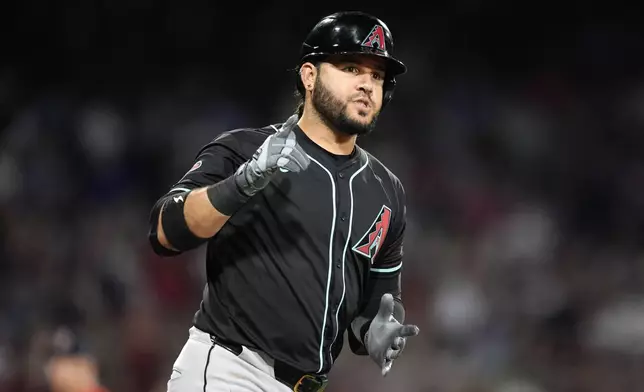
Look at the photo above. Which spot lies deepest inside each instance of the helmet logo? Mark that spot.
(375, 39)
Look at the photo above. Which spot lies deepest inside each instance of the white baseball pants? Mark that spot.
(206, 367)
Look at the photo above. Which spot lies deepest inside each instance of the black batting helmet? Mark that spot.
(353, 32)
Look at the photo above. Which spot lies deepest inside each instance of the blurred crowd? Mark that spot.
(524, 264)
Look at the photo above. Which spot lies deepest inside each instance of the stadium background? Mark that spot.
(517, 133)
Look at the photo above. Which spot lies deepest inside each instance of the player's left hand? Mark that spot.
(386, 338)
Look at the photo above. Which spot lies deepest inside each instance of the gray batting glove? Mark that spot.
(386, 338)
(279, 151)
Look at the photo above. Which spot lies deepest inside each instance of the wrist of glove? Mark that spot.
(386, 338)
(250, 180)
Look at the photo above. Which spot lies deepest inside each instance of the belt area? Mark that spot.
(296, 379)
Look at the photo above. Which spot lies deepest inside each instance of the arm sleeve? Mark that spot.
(215, 162)
(384, 277)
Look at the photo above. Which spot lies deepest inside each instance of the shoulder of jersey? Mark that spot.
(243, 141)
(382, 170)
(245, 134)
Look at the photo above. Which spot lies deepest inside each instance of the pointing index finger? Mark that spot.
(287, 127)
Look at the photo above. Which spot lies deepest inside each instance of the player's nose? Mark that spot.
(366, 84)
(366, 87)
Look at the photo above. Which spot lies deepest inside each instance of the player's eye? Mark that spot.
(352, 69)
(378, 76)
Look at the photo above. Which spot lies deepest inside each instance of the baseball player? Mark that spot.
(304, 229)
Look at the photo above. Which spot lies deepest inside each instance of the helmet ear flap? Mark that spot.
(388, 91)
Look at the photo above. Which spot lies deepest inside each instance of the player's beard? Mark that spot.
(333, 112)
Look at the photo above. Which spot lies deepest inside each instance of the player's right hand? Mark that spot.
(280, 151)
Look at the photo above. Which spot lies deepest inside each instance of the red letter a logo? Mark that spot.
(375, 39)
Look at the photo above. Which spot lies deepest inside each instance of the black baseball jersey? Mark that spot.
(301, 259)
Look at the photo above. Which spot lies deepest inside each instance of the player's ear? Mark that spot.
(308, 73)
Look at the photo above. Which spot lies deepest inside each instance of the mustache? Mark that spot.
(362, 97)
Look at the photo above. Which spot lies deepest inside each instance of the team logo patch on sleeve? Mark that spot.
(372, 240)
(194, 167)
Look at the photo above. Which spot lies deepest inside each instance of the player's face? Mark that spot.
(348, 93)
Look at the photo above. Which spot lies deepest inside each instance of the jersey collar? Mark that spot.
(357, 156)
